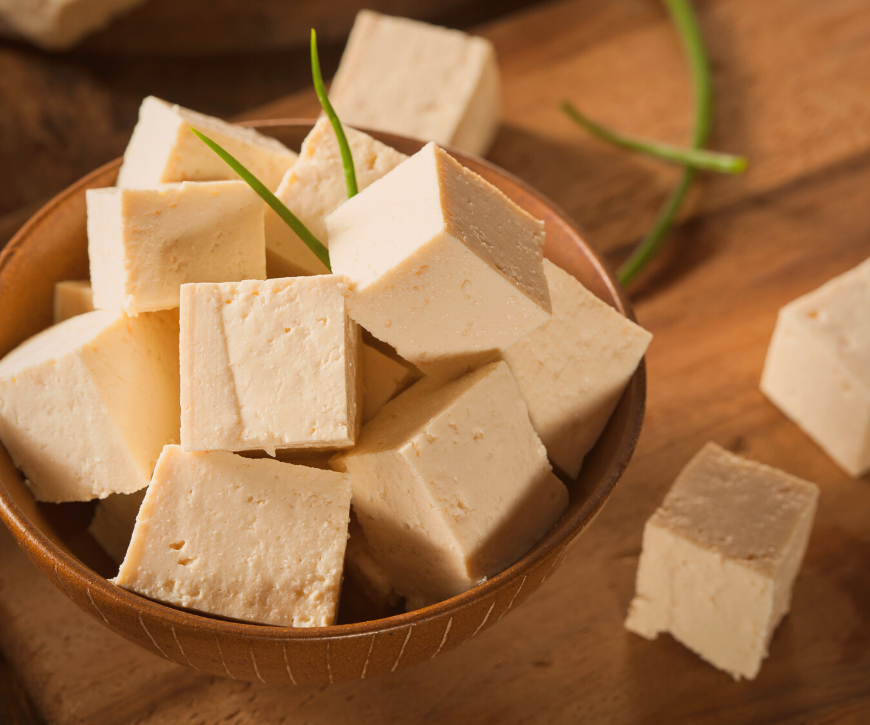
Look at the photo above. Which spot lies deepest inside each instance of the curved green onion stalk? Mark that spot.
(273, 201)
(320, 89)
(696, 158)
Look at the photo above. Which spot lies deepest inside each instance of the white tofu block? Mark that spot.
(144, 244)
(817, 370)
(113, 522)
(445, 268)
(163, 150)
(269, 365)
(384, 377)
(87, 405)
(60, 24)
(313, 188)
(71, 298)
(573, 369)
(451, 485)
(360, 565)
(419, 80)
(720, 557)
(254, 540)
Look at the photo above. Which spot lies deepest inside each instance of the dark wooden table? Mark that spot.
(793, 93)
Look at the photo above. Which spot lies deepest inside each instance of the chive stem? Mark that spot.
(696, 158)
(320, 89)
(273, 201)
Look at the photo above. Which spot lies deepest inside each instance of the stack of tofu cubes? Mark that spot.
(195, 369)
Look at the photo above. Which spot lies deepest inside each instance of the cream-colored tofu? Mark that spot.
(144, 244)
(313, 188)
(451, 484)
(71, 298)
(87, 405)
(269, 365)
(817, 370)
(113, 522)
(384, 377)
(720, 557)
(60, 24)
(163, 150)
(255, 540)
(445, 268)
(573, 370)
(360, 565)
(419, 80)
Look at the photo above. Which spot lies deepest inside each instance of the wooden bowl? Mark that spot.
(52, 247)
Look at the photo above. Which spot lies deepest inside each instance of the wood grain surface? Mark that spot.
(793, 93)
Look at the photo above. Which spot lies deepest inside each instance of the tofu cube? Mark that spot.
(113, 522)
(361, 566)
(451, 485)
(255, 540)
(313, 188)
(163, 150)
(817, 370)
(419, 80)
(71, 298)
(444, 267)
(720, 557)
(144, 244)
(572, 370)
(269, 365)
(384, 377)
(87, 405)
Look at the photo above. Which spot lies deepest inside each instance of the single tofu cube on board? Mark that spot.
(419, 80)
(143, 244)
(314, 187)
(269, 365)
(113, 522)
(451, 485)
(71, 298)
(444, 267)
(163, 150)
(817, 370)
(720, 557)
(87, 405)
(254, 540)
(572, 370)
(384, 377)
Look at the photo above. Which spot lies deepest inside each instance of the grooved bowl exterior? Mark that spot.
(52, 247)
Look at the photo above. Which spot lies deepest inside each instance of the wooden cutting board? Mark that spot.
(793, 90)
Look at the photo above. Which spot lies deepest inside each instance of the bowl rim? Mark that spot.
(29, 536)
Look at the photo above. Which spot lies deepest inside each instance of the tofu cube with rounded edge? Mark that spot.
(71, 298)
(87, 405)
(573, 369)
(451, 484)
(384, 377)
(419, 80)
(113, 522)
(817, 370)
(444, 267)
(162, 149)
(313, 188)
(254, 540)
(144, 244)
(269, 365)
(720, 557)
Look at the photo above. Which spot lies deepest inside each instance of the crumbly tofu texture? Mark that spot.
(143, 244)
(384, 377)
(87, 405)
(314, 187)
(573, 370)
(269, 365)
(720, 557)
(253, 540)
(71, 298)
(444, 267)
(451, 485)
(113, 522)
(163, 150)
(817, 370)
(419, 80)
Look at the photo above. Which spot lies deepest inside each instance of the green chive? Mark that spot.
(282, 211)
(320, 89)
(696, 158)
